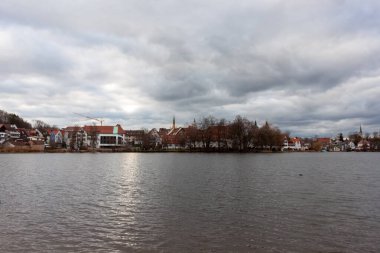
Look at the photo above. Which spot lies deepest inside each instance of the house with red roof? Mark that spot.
(95, 136)
(173, 138)
(291, 144)
(324, 142)
(34, 135)
(106, 136)
(55, 137)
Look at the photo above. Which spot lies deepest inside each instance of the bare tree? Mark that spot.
(222, 133)
(277, 138)
(75, 138)
(93, 136)
(355, 138)
(240, 132)
(264, 135)
(148, 141)
(254, 134)
(40, 125)
(316, 146)
(270, 137)
(192, 135)
(43, 127)
(205, 127)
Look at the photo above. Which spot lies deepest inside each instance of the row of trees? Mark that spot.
(210, 133)
(11, 118)
(247, 135)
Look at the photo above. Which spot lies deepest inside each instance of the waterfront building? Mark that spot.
(106, 136)
(291, 144)
(134, 137)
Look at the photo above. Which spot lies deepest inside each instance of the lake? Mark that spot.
(184, 202)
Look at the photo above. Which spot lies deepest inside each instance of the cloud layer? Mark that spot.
(311, 67)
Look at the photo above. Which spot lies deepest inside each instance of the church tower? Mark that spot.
(173, 127)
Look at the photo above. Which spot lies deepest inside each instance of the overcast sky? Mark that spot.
(310, 67)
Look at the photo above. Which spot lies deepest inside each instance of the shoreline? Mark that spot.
(25, 151)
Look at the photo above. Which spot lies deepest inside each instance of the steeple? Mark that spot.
(173, 127)
(360, 131)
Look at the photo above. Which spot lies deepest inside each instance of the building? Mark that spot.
(74, 137)
(134, 137)
(363, 145)
(106, 136)
(155, 139)
(35, 135)
(9, 132)
(291, 144)
(173, 138)
(55, 137)
(324, 142)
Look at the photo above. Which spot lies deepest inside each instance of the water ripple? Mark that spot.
(189, 202)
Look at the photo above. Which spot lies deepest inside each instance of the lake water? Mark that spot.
(169, 202)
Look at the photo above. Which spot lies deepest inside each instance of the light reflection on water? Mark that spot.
(190, 202)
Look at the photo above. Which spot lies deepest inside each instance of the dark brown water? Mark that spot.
(190, 202)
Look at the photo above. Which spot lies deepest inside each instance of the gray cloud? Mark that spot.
(307, 66)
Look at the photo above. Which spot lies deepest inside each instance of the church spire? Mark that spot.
(173, 122)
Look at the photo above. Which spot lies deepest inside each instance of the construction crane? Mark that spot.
(100, 120)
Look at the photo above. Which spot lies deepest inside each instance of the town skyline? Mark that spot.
(5, 117)
(310, 68)
(208, 135)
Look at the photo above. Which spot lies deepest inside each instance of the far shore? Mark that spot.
(22, 150)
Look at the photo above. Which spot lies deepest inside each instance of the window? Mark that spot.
(107, 140)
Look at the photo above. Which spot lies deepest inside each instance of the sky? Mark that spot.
(308, 67)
